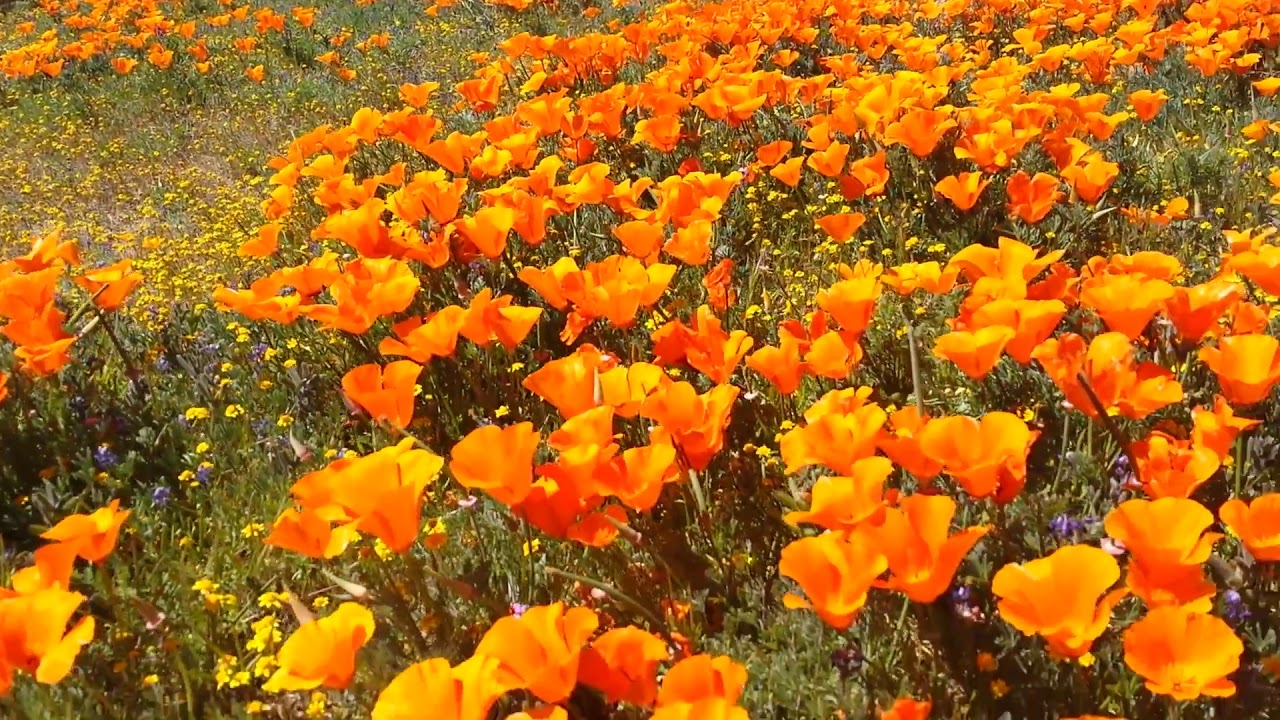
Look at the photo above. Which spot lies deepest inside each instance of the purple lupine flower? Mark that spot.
(518, 609)
(104, 458)
(203, 473)
(1064, 526)
(160, 496)
(1234, 610)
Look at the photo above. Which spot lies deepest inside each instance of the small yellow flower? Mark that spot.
(234, 411)
(150, 680)
(284, 421)
(320, 602)
(196, 413)
(202, 448)
(315, 708)
(253, 530)
(255, 707)
(502, 411)
(531, 547)
(999, 688)
(1086, 660)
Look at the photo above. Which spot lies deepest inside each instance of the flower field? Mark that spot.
(565, 359)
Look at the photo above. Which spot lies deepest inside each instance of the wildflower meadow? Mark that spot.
(686, 360)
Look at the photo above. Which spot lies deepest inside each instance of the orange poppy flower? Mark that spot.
(1126, 303)
(322, 653)
(830, 161)
(1147, 104)
(1091, 177)
(835, 571)
(623, 664)
(310, 533)
(922, 557)
(1217, 429)
(696, 422)
(841, 226)
(835, 438)
(962, 190)
(1169, 467)
(908, 709)
(1183, 654)
(719, 286)
(919, 130)
(1197, 310)
(498, 460)
(1257, 523)
(852, 303)
(1168, 544)
(34, 637)
(788, 172)
(540, 651)
(987, 457)
(701, 687)
(421, 340)
(112, 284)
(844, 503)
(1032, 198)
(1032, 321)
(928, 276)
(976, 352)
(386, 393)
(51, 570)
(1062, 597)
(782, 366)
(1247, 366)
(465, 692)
(93, 535)
(1107, 362)
(489, 319)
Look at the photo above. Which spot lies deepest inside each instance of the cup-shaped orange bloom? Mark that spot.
(386, 393)
(835, 573)
(465, 692)
(1107, 363)
(1218, 428)
(1257, 523)
(976, 352)
(908, 709)
(1197, 310)
(540, 651)
(1032, 321)
(1032, 198)
(623, 664)
(1168, 546)
(962, 190)
(497, 460)
(901, 442)
(51, 570)
(844, 503)
(1062, 597)
(1126, 303)
(1147, 103)
(322, 653)
(1247, 366)
(987, 457)
(923, 557)
(1169, 467)
(111, 285)
(93, 535)
(700, 678)
(1183, 654)
(34, 636)
(696, 422)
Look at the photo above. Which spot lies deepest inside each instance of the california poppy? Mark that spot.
(1183, 654)
(498, 460)
(386, 393)
(843, 503)
(962, 190)
(1247, 366)
(835, 571)
(464, 692)
(34, 637)
(1256, 523)
(923, 557)
(541, 649)
(93, 535)
(1062, 597)
(322, 653)
(1168, 546)
(623, 664)
(987, 456)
